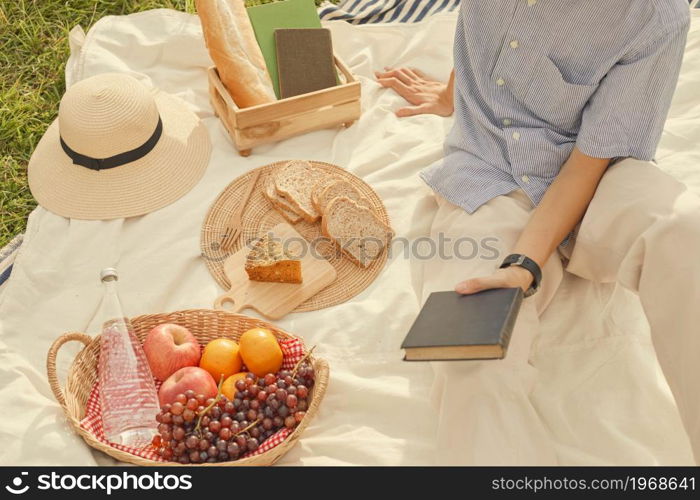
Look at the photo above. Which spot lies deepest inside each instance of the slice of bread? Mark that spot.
(294, 182)
(337, 189)
(268, 261)
(280, 204)
(359, 233)
(320, 186)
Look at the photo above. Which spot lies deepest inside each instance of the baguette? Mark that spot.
(357, 231)
(235, 51)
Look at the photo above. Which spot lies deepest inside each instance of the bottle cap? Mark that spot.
(109, 274)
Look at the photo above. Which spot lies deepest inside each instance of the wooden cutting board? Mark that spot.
(274, 300)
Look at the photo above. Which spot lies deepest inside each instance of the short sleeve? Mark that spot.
(626, 114)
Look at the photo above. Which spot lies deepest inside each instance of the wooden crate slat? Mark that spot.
(300, 123)
(257, 115)
(220, 98)
(349, 77)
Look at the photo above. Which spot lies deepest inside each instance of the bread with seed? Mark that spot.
(295, 182)
(357, 230)
(280, 204)
(337, 189)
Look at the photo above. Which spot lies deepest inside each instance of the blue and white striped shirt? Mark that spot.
(533, 78)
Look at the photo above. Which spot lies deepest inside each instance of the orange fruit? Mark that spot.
(221, 357)
(228, 389)
(260, 351)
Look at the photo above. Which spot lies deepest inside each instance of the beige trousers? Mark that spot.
(641, 230)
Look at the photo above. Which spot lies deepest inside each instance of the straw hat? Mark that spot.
(117, 149)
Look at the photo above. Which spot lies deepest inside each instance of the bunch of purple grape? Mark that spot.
(195, 430)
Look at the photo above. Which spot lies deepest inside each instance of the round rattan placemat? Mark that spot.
(259, 216)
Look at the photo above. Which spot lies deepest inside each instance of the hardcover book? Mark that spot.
(266, 18)
(304, 60)
(451, 326)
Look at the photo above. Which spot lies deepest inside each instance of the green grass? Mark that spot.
(33, 53)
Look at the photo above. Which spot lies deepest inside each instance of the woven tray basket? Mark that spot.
(259, 216)
(204, 324)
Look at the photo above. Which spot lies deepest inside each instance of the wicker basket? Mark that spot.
(204, 324)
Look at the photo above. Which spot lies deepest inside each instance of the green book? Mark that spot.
(268, 17)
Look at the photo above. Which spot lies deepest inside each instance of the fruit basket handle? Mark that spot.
(51, 361)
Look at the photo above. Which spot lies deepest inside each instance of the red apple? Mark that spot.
(190, 377)
(170, 347)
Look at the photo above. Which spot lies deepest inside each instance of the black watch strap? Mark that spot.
(526, 263)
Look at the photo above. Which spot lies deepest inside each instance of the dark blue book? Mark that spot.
(451, 326)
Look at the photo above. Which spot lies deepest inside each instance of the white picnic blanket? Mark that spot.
(600, 393)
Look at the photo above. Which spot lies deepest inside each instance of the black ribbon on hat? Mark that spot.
(116, 160)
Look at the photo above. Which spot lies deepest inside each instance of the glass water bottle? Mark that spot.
(128, 396)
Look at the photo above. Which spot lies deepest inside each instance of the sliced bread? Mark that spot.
(359, 233)
(337, 189)
(294, 182)
(320, 186)
(280, 204)
(268, 261)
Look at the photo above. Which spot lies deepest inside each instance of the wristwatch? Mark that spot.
(525, 262)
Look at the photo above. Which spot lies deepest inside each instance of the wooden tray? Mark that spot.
(284, 118)
(259, 216)
(275, 300)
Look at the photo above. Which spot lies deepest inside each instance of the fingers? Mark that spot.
(479, 284)
(404, 75)
(409, 73)
(421, 109)
(394, 83)
(418, 73)
(382, 74)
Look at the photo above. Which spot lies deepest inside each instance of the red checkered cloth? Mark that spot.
(293, 350)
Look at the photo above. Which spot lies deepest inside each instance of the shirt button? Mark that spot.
(507, 122)
(514, 44)
(526, 179)
(516, 136)
(500, 82)
(531, 2)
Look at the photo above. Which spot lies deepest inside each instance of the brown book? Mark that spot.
(460, 327)
(304, 60)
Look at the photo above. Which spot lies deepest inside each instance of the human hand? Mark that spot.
(509, 277)
(426, 96)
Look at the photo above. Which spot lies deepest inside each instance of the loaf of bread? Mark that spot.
(356, 230)
(233, 48)
(268, 261)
